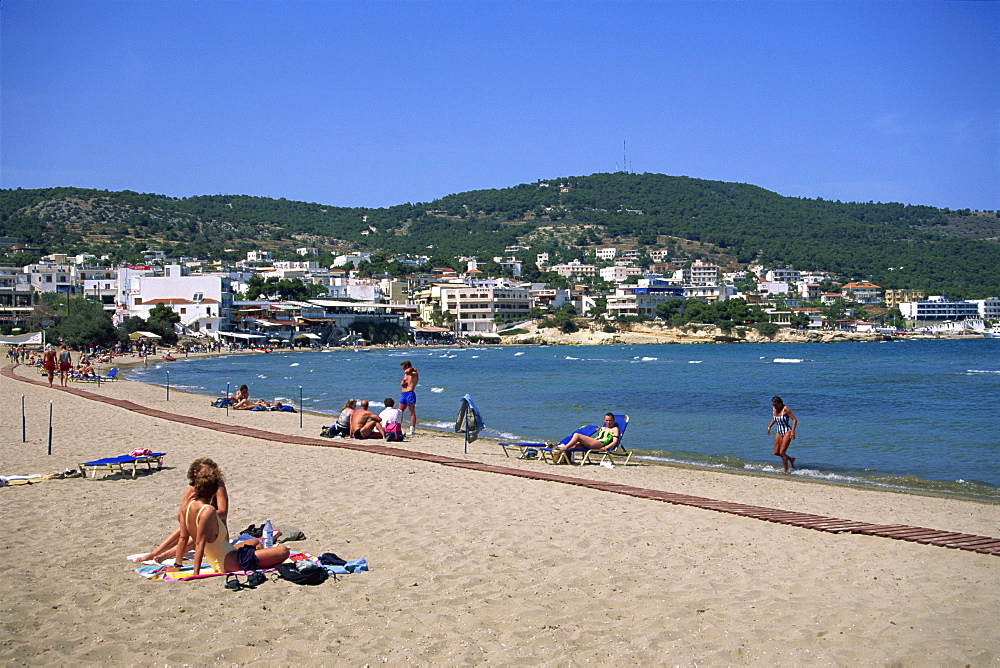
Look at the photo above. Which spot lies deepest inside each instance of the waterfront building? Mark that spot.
(937, 308)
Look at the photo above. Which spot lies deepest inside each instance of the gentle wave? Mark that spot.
(784, 360)
(437, 389)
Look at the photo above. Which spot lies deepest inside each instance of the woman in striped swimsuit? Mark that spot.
(784, 422)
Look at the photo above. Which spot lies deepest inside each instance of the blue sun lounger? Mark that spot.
(118, 464)
(550, 454)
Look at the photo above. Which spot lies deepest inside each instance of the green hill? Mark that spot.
(941, 251)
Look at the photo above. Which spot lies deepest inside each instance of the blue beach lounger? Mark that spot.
(117, 464)
(551, 455)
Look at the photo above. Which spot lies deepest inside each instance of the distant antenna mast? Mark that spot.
(624, 158)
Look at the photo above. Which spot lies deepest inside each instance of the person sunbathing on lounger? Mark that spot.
(605, 438)
(365, 424)
(198, 519)
(221, 503)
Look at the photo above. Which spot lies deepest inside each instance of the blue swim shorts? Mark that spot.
(248, 557)
(407, 398)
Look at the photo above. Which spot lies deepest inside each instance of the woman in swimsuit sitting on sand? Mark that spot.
(199, 519)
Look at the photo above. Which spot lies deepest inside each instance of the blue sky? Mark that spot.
(381, 103)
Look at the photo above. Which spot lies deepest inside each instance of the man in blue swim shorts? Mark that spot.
(408, 397)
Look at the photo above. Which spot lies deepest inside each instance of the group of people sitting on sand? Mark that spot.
(357, 421)
(201, 521)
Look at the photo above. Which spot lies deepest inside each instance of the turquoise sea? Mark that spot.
(909, 415)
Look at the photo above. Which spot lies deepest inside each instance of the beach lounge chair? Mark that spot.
(112, 375)
(550, 454)
(118, 464)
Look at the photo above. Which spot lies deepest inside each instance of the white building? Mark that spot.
(639, 301)
(204, 302)
(989, 309)
(606, 253)
(305, 252)
(48, 276)
(475, 308)
(351, 258)
(784, 275)
(258, 256)
(709, 293)
(702, 273)
(574, 268)
(938, 308)
(618, 273)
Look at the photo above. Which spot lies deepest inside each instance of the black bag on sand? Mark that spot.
(309, 574)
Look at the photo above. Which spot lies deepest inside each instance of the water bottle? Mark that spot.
(268, 534)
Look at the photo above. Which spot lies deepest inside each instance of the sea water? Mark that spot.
(910, 415)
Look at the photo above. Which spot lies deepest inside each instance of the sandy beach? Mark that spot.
(467, 567)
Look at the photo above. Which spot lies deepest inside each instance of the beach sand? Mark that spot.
(466, 566)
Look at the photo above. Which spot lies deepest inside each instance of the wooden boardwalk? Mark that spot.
(958, 541)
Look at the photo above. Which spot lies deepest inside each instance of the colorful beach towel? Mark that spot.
(186, 572)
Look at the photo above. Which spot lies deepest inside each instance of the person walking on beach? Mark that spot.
(408, 395)
(49, 362)
(784, 422)
(65, 364)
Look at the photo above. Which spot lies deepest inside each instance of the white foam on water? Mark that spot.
(571, 358)
(260, 375)
(437, 389)
(475, 357)
(694, 361)
(294, 364)
(516, 354)
(981, 371)
(649, 359)
(786, 360)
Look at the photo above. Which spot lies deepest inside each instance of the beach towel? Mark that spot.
(186, 572)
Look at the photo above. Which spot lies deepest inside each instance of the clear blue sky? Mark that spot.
(380, 103)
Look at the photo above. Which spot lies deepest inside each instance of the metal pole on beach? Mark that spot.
(300, 407)
(24, 423)
(50, 426)
(226, 402)
(168, 386)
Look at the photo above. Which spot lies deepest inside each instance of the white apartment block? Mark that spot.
(709, 293)
(98, 283)
(784, 275)
(639, 301)
(773, 287)
(606, 253)
(574, 268)
(863, 291)
(204, 302)
(541, 259)
(658, 255)
(989, 309)
(258, 256)
(618, 273)
(50, 277)
(702, 273)
(306, 252)
(351, 258)
(475, 308)
(938, 308)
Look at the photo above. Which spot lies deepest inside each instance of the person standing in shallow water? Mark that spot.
(784, 422)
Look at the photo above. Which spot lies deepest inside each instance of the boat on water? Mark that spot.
(991, 335)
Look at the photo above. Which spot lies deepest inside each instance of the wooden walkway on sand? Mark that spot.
(958, 541)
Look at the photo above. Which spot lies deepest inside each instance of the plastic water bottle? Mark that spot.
(268, 534)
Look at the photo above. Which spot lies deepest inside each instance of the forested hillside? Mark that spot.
(941, 251)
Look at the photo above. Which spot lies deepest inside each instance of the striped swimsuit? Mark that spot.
(782, 423)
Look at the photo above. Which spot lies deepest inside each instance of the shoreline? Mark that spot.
(466, 566)
(901, 484)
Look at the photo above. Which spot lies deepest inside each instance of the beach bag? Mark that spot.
(394, 432)
(308, 574)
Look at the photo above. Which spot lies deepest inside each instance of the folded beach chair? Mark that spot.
(117, 464)
(550, 454)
